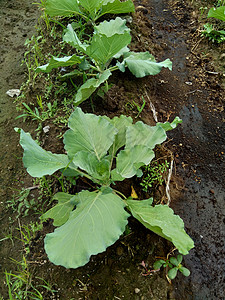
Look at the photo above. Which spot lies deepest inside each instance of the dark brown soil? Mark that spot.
(194, 91)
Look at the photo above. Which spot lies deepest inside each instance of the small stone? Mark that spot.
(46, 129)
(13, 92)
(141, 8)
(137, 290)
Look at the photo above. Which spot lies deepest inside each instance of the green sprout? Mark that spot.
(173, 264)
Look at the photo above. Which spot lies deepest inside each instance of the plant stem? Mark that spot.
(87, 176)
(114, 68)
(119, 193)
(94, 68)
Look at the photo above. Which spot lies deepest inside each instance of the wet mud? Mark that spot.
(17, 23)
(200, 158)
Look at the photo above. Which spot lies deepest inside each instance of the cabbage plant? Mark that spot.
(103, 150)
(106, 52)
(89, 10)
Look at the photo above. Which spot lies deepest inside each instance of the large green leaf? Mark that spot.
(142, 64)
(108, 41)
(218, 13)
(89, 133)
(142, 134)
(88, 88)
(161, 220)
(38, 161)
(71, 38)
(96, 223)
(117, 7)
(61, 7)
(88, 162)
(92, 6)
(128, 161)
(61, 211)
(170, 126)
(56, 62)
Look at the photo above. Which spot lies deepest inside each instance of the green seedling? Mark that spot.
(36, 115)
(216, 36)
(173, 265)
(7, 237)
(106, 52)
(103, 150)
(21, 203)
(28, 233)
(153, 175)
(134, 106)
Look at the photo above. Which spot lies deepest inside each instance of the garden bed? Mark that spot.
(194, 91)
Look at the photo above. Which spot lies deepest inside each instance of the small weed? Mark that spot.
(216, 36)
(172, 265)
(21, 284)
(134, 106)
(28, 233)
(153, 174)
(20, 203)
(36, 115)
(8, 236)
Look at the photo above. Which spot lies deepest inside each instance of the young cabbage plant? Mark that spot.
(89, 10)
(103, 150)
(108, 44)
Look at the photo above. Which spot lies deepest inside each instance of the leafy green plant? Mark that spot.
(89, 10)
(153, 173)
(103, 150)
(216, 36)
(109, 43)
(20, 202)
(173, 264)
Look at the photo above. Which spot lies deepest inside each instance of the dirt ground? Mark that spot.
(194, 91)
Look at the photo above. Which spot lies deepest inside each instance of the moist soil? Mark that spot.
(194, 91)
